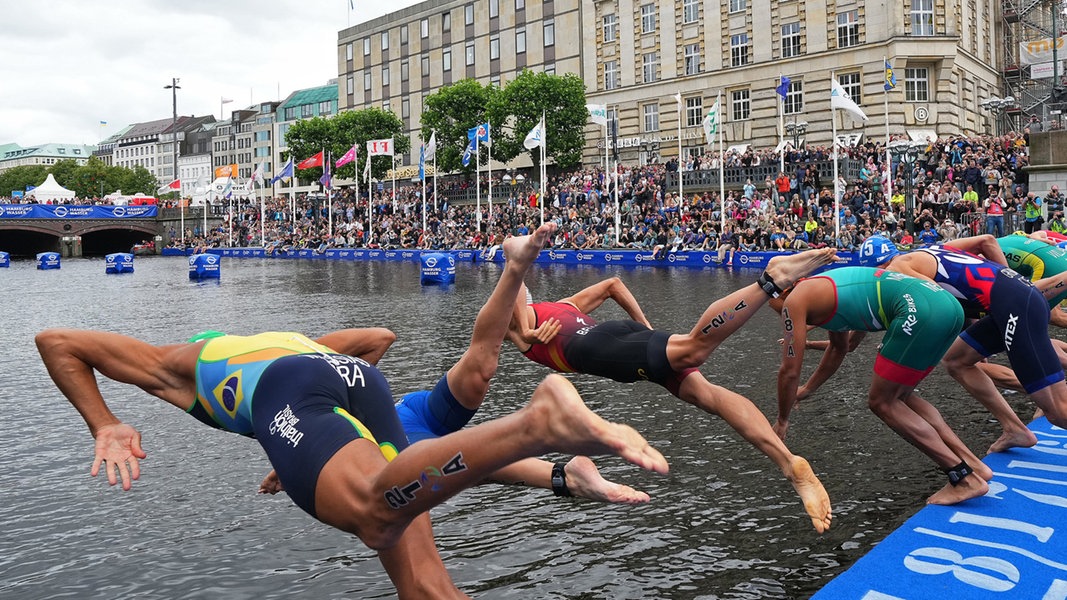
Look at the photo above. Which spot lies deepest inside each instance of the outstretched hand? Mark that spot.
(118, 450)
(271, 484)
(547, 331)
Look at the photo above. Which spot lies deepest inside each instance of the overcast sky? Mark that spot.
(67, 65)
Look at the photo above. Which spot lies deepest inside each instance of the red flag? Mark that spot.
(307, 163)
(175, 185)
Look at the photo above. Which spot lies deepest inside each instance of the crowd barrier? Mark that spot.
(628, 258)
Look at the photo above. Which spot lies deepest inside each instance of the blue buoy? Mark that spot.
(119, 262)
(47, 260)
(438, 268)
(5, 259)
(204, 266)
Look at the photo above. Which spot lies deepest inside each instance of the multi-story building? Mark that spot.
(13, 155)
(635, 56)
(302, 104)
(105, 150)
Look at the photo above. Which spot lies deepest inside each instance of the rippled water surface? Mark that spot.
(723, 524)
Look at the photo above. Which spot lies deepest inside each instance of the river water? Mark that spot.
(723, 524)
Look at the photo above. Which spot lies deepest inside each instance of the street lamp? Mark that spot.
(997, 106)
(796, 129)
(907, 152)
(174, 87)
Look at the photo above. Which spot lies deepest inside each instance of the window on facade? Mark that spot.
(610, 28)
(468, 14)
(649, 62)
(851, 84)
(385, 106)
(520, 4)
(694, 111)
(494, 81)
(740, 105)
(550, 33)
(611, 74)
(916, 84)
(349, 51)
(446, 60)
(494, 47)
(367, 82)
(307, 110)
(425, 66)
(350, 85)
(403, 34)
(494, 9)
(690, 11)
(738, 5)
(739, 50)
(651, 114)
(790, 40)
(794, 99)
(385, 40)
(366, 46)
(692, 59)
(404, 71)
(325, 108)
(848, 29)
(385, 75)
(922, 17)
(648, 18)
(405, 108)
(446, 21)
(520, 40)
(469, 51)
(424, 28)
(550, 69)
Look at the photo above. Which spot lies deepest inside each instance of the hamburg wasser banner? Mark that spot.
(75, 211)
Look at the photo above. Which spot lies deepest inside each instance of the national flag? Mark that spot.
(348, 156)
(366, 170)
(536, 137)
(173, 186)
(285, 173)
(480, 134)
(422, 163)
(890, 77)
(783, 87)
(103, 123)
(310, 162)
(467, 153)
(431, 147)
(325, 180)
(598, 113)
(711, 123)
(257, 175)
(615, 138)
(380, 147)
(839, 98)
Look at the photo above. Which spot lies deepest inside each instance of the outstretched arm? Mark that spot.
(595, 295)
(839, 345)
(369, 343)
(794, 336)
(984, 244)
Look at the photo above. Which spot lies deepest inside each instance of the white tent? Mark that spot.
(50, 191)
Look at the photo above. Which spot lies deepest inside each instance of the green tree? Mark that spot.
(450, 112)
(519, 106)
(337, 135)
(88, 180)
(17, 178)
(139, 179)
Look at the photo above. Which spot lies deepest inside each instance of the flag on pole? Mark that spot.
(103, 123)
(422, 163)
(615, 138)
(380, 147)
(839, 99)
(285, 173)
(467, 153)
(598, 113)
(431, 147)
(310, 162)
(678, 99)
(783, 87)
(890, 77)
(480, 134)
(173, 186)
(366, 172)
(325, 180)
(536, 137)
(255, 177)
(348, 156)
(711, 123)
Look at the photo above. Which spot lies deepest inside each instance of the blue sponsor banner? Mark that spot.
(76, 211)
(1010, 543)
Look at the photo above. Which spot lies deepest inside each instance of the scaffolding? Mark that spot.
(1031, 86)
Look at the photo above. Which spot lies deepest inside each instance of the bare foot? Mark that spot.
(1024, 438)
(786, 269)
(811, 492)
(561, 422)
(969, 487)
(524, 249)
(271, 484)
(584, 480)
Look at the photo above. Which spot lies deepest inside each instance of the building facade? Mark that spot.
(635, 56)
(13, 155)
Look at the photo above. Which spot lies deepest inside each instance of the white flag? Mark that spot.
(380, 147)
(711, 123)
(839, 98)
(598, 112)
(536, 137)
(431, 147)
(678, 99)
(366, 170)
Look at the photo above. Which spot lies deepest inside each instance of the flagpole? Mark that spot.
(181, 208)
(432, 134)
(205, 220)
(781, 130)
(422, 168)
(262, 215)
(489, 164)
(544, 156)
(888, 158)
(722, 169)
(477, 183)
(837, 192)
(615, 151)
(329, 197)
(681, 193)
(229, 210)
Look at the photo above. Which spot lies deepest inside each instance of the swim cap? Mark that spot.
(205, 335)
(877, 250)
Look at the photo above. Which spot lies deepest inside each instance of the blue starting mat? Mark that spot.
(1009, 544)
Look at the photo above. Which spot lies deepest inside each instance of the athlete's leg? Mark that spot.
(727, 315)
(1052, 400)
(415, 567)
(469, 377)
(747, 420)
(360, 492)
(583, 480)
(931, 415)
(961, 362)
